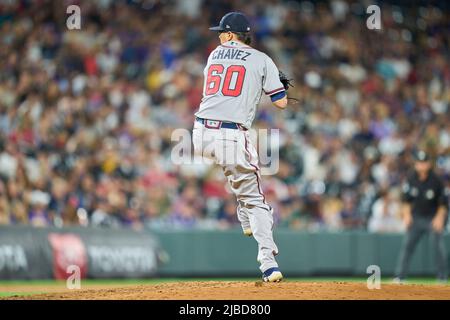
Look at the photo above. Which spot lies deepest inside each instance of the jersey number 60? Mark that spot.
(235, 74)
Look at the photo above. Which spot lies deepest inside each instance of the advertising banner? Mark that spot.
(46, 253)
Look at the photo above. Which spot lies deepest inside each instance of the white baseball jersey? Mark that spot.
(236, 75)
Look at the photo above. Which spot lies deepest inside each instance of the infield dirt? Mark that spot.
(246, 290)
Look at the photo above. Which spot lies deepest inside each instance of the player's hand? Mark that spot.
(407, 220)
(437, 224)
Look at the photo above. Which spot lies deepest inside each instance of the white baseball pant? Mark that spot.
(235, 153)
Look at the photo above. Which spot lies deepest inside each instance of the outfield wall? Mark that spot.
(212, 253)
(52, 253)
(45, 253)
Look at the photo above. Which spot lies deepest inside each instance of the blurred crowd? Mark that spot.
(86, 116)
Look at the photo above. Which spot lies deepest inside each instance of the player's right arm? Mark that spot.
(407, 215)
(406, 205)
(272, 85)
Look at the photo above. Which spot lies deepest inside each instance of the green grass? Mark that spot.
(28, 293)
(123, 282)
(164, 280)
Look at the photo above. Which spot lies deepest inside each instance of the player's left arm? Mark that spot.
(272, 85)
(438, 222)
(439, 219)
(280, 103)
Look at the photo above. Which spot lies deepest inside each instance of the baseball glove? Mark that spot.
(286, 84)
(285, 80)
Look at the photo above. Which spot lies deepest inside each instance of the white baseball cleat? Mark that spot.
(398, 280)
(272, 275)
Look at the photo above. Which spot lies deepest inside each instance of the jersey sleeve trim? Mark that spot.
(274, 91)
(231, 47)
(278, 96)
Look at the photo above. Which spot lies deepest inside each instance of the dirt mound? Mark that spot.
(239, 290)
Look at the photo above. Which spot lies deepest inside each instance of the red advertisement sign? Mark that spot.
(68, 249)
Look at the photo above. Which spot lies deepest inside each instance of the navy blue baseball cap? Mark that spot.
(234, 22)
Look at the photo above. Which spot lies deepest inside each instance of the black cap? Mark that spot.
(421, 155)
(234, 22)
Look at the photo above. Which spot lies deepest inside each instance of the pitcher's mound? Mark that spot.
(240, 290)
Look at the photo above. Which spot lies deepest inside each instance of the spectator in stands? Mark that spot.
(39, 215)
(227, 215)
(386, 213)
(5, 209)
(86, 117)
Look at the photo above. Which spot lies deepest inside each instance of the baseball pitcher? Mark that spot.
(236, 76)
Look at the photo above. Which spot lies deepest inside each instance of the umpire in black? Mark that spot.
(424, 211)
